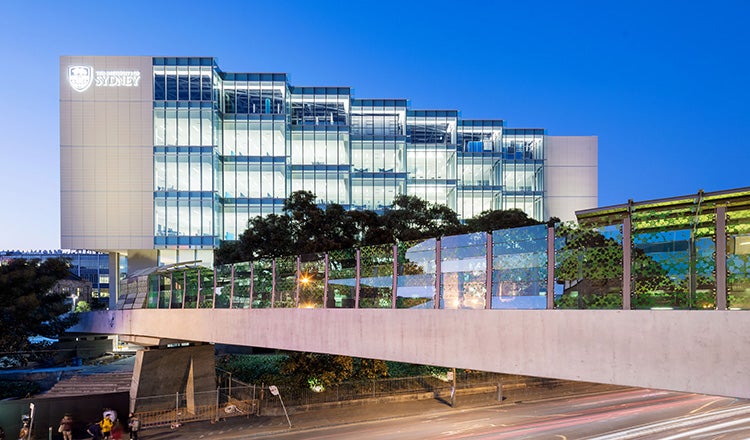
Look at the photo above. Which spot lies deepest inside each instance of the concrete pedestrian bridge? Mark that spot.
(652, 294)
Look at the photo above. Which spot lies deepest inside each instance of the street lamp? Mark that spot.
(73, 298)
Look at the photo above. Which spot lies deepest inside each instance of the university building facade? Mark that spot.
(162, 158)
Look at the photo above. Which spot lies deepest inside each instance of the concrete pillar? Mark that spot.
(165, 371)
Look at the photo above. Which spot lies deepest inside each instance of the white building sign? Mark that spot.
(81, 78)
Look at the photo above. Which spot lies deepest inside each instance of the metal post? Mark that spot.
(453, 389)
(627, 259)
(200, 284)
(213, 294)
(325, 281)
(273, 282)
(550, 267)
(488, 272)
(297, 286)
(217, 404)
(721, 258)
(176, 407)
(231, 287)
(252, 284)
(357, 275)
(171, 288)
(184, 288)
(394, 289)
(500, 389)
(438, 274)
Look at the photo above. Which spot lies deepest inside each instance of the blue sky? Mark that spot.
(664, 84)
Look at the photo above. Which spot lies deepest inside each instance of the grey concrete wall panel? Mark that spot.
(570, 175)
(682, 350)
(161, 371)
(106, 153)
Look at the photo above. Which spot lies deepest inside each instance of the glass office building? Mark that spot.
(163, 158)
(88, 265)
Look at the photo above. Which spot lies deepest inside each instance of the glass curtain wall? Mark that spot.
(431, 155)
(378, 152)
(254, 149)
(522, 171)
(185, 160)
(479, 167)
(320, 151)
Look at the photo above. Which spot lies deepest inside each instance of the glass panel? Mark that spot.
(463, 270)
(519, 268)
(262, 283)
(165, 290)
(242, 285)
(416, 274)
(223, 286)
(312, 281)
(207, 288)
(152, 301)
(191, 289)
(673, 259)
(738, 259)
(376, 277)
(588, 266)
(342, 267)
(178, 289)
(286, 275)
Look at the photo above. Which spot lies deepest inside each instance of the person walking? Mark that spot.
(66, 427)
(95, 431)
(106, 425)
(134, 425)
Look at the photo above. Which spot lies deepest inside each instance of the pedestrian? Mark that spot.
(23, 434)
(66, 427)
(2, 433)
(95, 431)
(117, 430)
(134, 425)
(106, 425)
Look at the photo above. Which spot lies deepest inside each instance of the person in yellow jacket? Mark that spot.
(106, 425)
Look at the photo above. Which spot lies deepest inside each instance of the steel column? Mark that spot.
(438, 274)
(550, 267)
(394, 289)
(488, 272)
(627, 261)
(721, 258)
(358, 257)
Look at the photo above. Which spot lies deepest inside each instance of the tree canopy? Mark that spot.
(28, 307)
(306, 227)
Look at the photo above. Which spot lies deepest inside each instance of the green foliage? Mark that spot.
(252, 368)
(27, 305)
(301, 368)
(18, 389)
(499, 219)
(400, 369)
(82, 306)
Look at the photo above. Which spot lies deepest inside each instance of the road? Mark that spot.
(641, 414)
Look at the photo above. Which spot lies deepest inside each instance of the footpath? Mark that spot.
(252, 426)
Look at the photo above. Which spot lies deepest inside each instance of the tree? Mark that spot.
(500, 219)
(317, 371)
(411, 218)
(28, 307)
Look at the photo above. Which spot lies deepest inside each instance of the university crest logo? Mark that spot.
(80, 77)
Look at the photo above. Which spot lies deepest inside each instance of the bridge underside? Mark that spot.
(690, 351)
